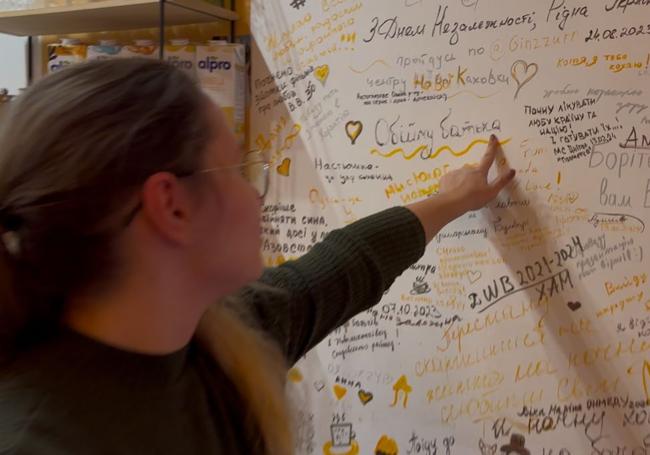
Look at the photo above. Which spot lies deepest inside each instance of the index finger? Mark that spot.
(490, 154)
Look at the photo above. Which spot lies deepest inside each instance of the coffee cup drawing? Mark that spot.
(420, 287)
(342, 434)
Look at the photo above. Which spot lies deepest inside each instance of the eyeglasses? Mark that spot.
(255, 171)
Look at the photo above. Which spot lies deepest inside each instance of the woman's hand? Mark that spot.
(460, 191)
(469, 185)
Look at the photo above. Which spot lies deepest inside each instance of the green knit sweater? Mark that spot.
(74, 395)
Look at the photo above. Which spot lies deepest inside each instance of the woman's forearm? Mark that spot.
(436, 212)
(460, 191)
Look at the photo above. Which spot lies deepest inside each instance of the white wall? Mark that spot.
(13, 67)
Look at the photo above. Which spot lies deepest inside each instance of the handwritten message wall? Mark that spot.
(525, 328)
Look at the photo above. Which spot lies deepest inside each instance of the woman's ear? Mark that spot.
(167, 207)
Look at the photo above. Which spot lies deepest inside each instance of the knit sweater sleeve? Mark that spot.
(300, 302)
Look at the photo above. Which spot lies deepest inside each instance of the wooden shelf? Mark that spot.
(109, 15)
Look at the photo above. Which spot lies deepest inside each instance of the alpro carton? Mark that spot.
(181, 54)
(221, 72)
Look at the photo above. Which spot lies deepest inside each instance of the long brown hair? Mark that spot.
(74, 149)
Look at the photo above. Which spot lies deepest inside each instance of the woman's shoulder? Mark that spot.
(39, 384)
(31, 422)
(23, 402)
(32, 369)
(27, 373)
(59, 397)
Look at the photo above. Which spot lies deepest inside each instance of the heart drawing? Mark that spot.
(322, 73)
(339, 391)
(474, 276)
(523, 72)
(353, 129)
(574, 306)
(284, 168)
(365, 397)
(294, 375)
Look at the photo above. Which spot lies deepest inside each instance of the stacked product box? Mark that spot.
(221, 71)
(217, 66)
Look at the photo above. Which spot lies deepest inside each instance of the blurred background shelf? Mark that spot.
(110, 15)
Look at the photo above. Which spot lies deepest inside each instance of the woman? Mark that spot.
(125, 218)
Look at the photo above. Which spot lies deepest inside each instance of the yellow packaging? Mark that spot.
(221, 72)
(67, 52)
(142, 48)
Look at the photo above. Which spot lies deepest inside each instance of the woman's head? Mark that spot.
(108, 168)
(98, 163)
